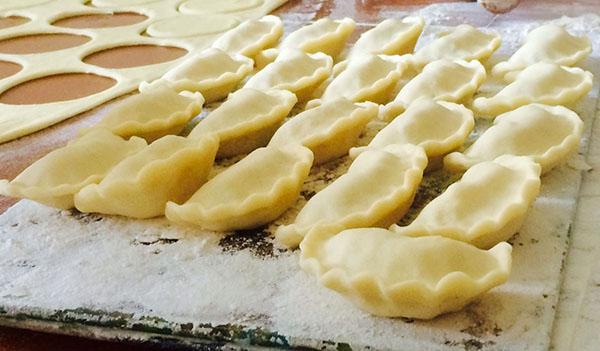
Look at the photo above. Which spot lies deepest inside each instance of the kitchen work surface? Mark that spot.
(114, 278)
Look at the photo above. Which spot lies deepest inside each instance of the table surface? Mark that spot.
(18, 154)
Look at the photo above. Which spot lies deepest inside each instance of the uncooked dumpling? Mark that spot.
(548, 134)
(548, 43)
(251, 36)
(252, 192)
(463, 42)
(543, 82)
(446, 80)
(329, 130)
(324, 35)
(213, 72)
(366, 78)
(439, 127)
(377, 190)
(389, 37)
(56, 177)
(152, 114)
(486, 206)
(295, 71)
(246, 120)
(170, 169)
(391, 275)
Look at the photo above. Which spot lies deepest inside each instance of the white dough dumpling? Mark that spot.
(324, 35)
(246, 120)
(542, 82)
(54, 179)
(463, 42)
(486, 206)
(329, 130)
(252, 192)
(377, 190)
(389, 37)
(547, 134)
(391, 275)
(152, 114)
(295, 71)
(548, 43)
(439, 127)
(213, 72)
(366, 78)
(446, 80)
(170, 169)
(251, 36)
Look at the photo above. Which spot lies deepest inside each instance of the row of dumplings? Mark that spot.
(451, 253)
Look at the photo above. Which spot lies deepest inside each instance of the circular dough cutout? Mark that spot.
(8, 69)
(133, 56)
(19, 4)
(37, 43)
(106, 3)
(191, 25)
(101, 20)
(224, 6)
(12, 21)
(57, 87)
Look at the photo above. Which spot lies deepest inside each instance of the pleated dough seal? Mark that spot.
(54, 179)
(295, 71)
(439, 127)
(548, 43)
(152, 114)
(251, 36)
(463, 42)
(389, 37)
(486, 206)
(548, 134)
(329, 130)
(213, 72)
(446, 80)
(324, 35)
(542, 82)
(252, 192)
(377, 190)
(170, 169)
(366, 78)
(391, 275)
(246, 120)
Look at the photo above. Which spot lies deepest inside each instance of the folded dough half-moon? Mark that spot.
(548, 43)
(170, 169)
(246, 120)
(542, 82)
(252, 192)
(377, 190)
(251, 36)
(463, 42)
(548, 134)
(295, 71)
(366, 78)
(391, 275)
(486, 206)
(329, 130)
(56, 177)
(447, 80)
(152, 114)
(439, 127)
(324, 35)
(213, 72)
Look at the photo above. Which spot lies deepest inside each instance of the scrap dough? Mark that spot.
(377, 190)
(170, 169)
(390, 275)
(234, 200)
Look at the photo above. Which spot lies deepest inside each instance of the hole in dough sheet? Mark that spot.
(12, 21)
(134, 56)
(58, 87)
(7, 69)
(37, 43)
(108, 20)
